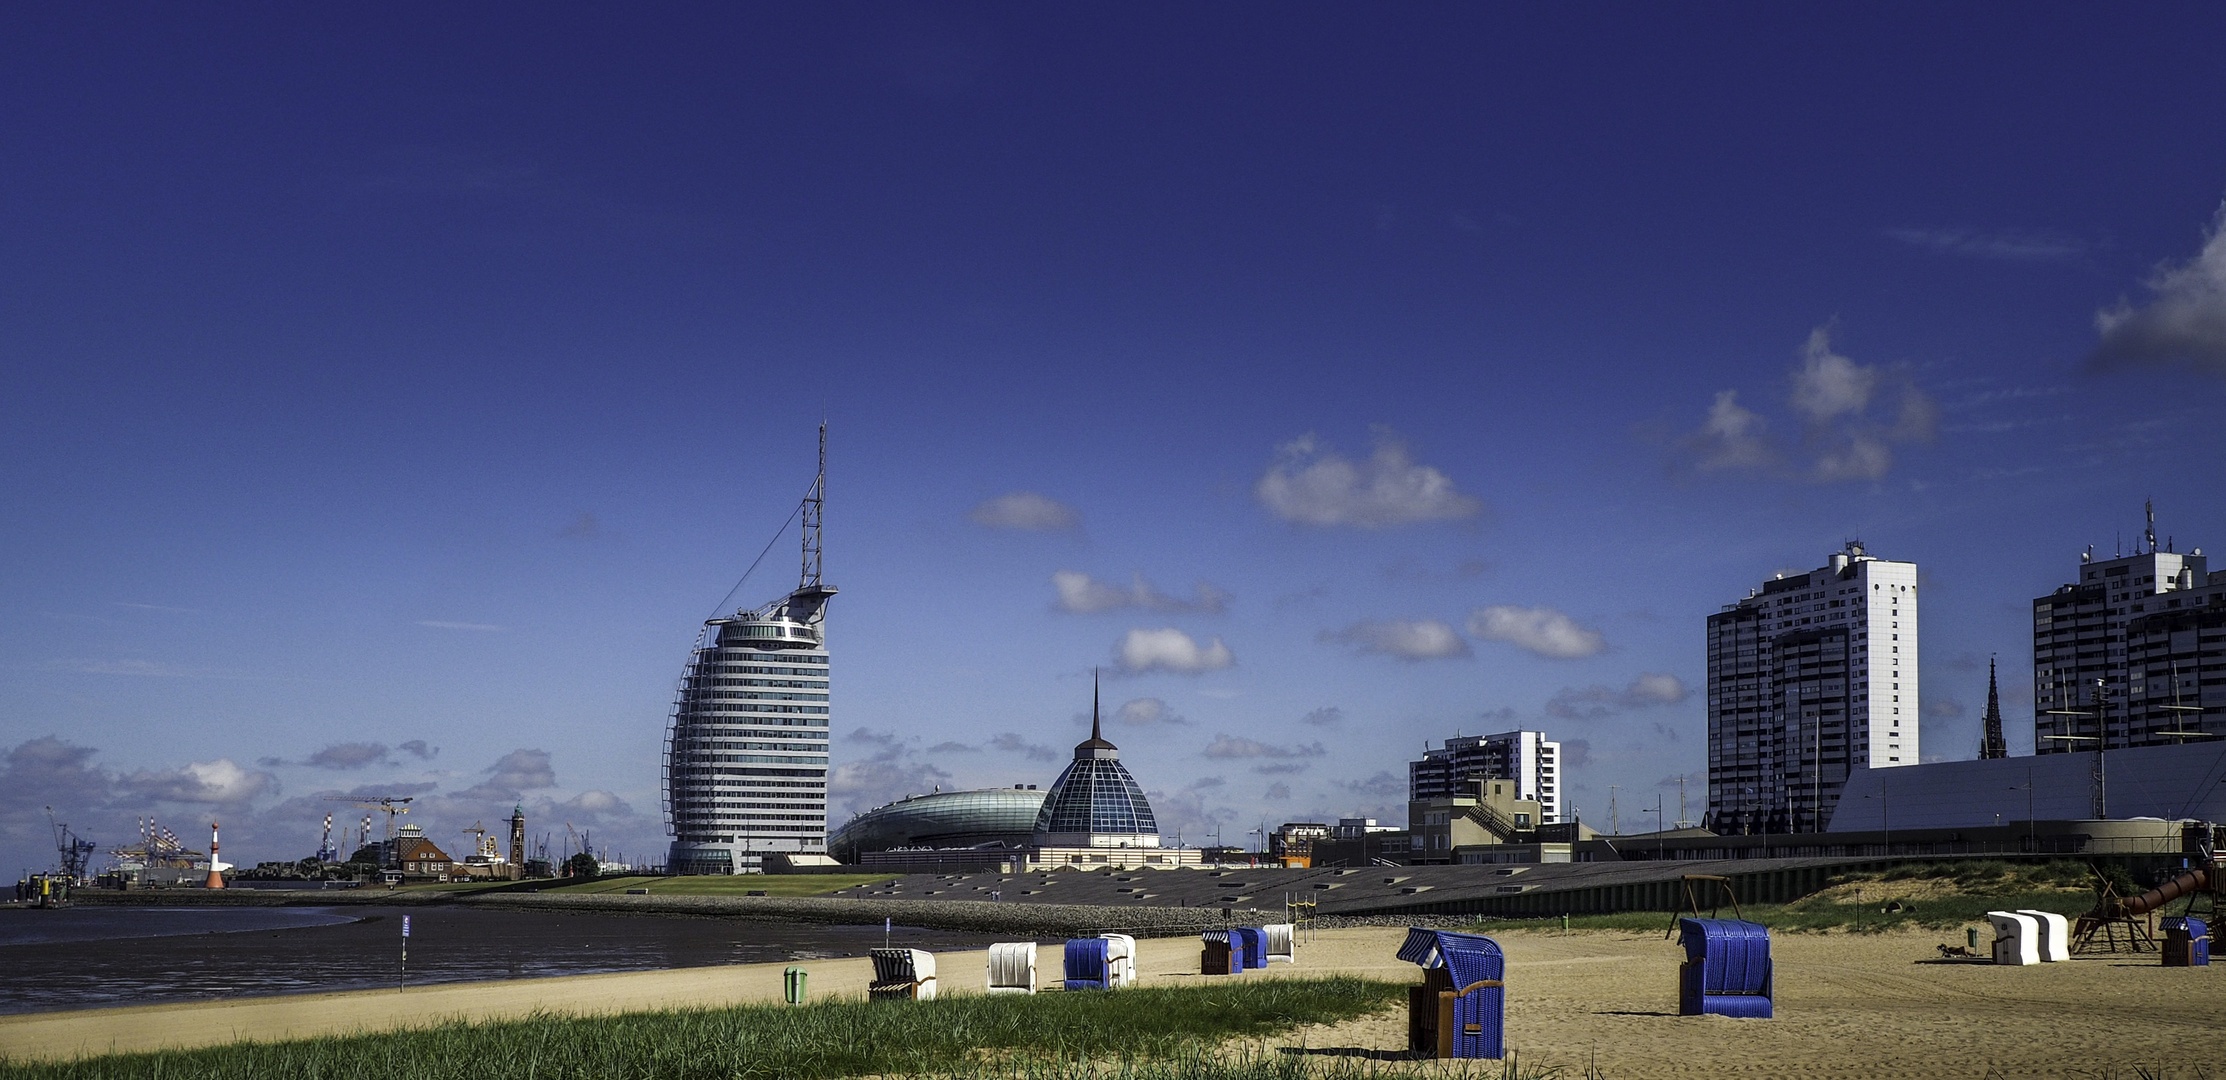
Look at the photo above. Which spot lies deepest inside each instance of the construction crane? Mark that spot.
(389, 805)
(481, 846)
(76, 853)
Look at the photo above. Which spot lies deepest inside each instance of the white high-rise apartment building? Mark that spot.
(1525, 757)
(1810, 677)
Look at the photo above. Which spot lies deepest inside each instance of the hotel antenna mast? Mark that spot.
(815, 503)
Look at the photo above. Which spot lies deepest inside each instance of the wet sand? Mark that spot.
(216, 953)
(1848, 1006)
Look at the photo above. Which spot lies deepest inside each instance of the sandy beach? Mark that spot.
(1847, 1005)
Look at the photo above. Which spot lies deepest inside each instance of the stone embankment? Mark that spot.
(1033, 919)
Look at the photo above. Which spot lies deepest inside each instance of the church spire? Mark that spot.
(1991, 743)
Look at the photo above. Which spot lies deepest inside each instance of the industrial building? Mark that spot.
(2132, 653)
(1811, 677)
(746, 747)
(1526, 758)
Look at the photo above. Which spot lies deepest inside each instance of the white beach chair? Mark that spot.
(902, 974)
(1281, 942)
(2055, 934)
(1012, 967)
(1120, 959)
(2016, 938)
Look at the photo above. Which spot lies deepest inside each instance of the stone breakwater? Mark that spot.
(1018, 918)
(1036, 919)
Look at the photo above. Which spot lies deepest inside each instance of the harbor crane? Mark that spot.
(75, 852)
(389, 805)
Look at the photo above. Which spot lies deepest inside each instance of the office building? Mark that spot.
(746, 750)
(1810, 676)
(2129, 654)
(1526, 758)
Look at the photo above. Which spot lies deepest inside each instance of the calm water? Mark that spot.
(91, 956)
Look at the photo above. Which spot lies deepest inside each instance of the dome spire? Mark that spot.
(1095, 746)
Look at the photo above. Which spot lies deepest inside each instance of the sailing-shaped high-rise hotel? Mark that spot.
(746, 752)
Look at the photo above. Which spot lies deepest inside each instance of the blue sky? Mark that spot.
(390, 395)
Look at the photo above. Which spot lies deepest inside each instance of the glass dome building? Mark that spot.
(1096, 803)
(1003, 817)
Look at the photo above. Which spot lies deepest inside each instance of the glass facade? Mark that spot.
(746, 769)
(1096, 795)
(947, 819)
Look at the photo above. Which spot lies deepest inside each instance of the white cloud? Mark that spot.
(1651, 688)
(2184, 323)
(1083, 594)
(1170, 649)
(1828, 384)
(1026, 511)
(1842, 437)
(1733, 437)
(2014, 245)
(1230, 746)
(1407, 639)
(221, 782)
(1144, 712)
(1313, 485)
(1540, 630)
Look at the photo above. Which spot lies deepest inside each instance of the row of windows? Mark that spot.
(698, 712)
(752, 695)
(776, 828)
(699, 744)
(732, 655)
(700, 683)
(720, 725)
(752, 785)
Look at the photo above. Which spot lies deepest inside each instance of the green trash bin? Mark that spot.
(792, 985)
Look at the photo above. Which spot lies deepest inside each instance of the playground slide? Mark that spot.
(2190, 882)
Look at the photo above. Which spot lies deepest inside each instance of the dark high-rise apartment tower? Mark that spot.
(1810, 677)
(746, 752)
(2122, 655)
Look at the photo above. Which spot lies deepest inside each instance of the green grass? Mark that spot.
(961, 1034)
(1935, 896)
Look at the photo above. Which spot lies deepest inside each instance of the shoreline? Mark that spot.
(1575, 999)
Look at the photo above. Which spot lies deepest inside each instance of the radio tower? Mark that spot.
(1991, 744)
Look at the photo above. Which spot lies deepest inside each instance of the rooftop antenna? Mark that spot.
(814, 503)
(2148, 507)
(1095, 736)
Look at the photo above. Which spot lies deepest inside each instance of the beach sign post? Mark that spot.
(402, 974)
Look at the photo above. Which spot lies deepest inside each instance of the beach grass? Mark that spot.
(1936, 896)
(962, 1034)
